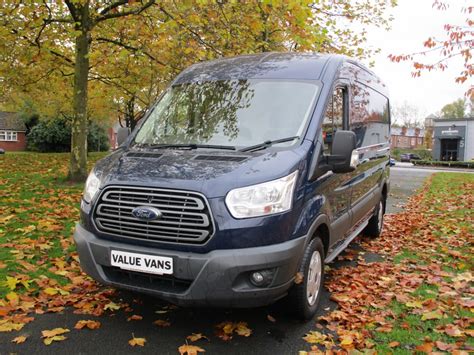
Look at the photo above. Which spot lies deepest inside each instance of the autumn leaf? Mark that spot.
(432, 315)
(111, 306)
(134, 317)
(271, 319)
(51, 291)
(299, 278)
(190, 350)
(394, 344)
(196, 336)
(50, 340)
(11, 282)
(314, 337)
(137, 341)
(91, 324)
(19, 339)
(242, 329)
(8, 326)
(414, 304)
(53, 332)
(425, 348)
(161, 323)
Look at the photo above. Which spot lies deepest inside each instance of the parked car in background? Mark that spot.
(407, 157)
(392, 162)
(2, 151)
(243, 180)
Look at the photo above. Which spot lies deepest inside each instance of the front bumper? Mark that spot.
(219, 278)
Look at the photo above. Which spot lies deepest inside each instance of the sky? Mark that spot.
(414, 22)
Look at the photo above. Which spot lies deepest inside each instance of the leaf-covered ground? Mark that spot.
(418, 298)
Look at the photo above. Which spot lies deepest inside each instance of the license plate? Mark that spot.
(150, 264)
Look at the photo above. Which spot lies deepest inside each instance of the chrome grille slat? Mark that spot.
(186, 216)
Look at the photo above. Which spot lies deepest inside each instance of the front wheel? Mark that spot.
(304, 296)
(375, 226)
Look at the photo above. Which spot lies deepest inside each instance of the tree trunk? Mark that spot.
(78, 163)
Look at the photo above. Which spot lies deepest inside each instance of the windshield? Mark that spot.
(229, 112)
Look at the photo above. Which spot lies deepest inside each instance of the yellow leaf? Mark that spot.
(8, 326)
(314, 337)
(11, 282)
(20, 339)
(137, 341)
(51, 291)
(48, 341)
(12, 296)
(54, 332)
(242, 329)
(196, 337)
(414, 304)
(432, 315)
(112, 306)
(190, 350)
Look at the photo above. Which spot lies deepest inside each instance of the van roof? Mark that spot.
(290, 65)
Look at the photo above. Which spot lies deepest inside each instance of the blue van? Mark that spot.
(246, 177)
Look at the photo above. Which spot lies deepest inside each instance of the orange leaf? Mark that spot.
(137, 341)
(134, 317)
(20, 339)
(91, 324)
(190, 350)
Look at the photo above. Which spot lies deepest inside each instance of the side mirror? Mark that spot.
(122, 135)
(342, 158)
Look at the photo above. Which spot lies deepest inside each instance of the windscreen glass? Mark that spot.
(230, 112)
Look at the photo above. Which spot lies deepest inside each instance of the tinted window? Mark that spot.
(370, 116)
(333, 118)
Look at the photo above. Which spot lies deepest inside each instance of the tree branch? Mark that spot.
(72, 9)
(112, 6)
(124, 13)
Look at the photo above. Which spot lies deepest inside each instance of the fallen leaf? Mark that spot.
(8, 326)
(299, 278)
(190, 350)
(134, 317)
(432, 315)
(53, 332)
(196, 336)
(161, 323)
(91, 324)
(242, 329)
(393, 344)
(271, 319)
(19, 339)
(112, 306)
(49, 341)
(137, 341)
(315, 337)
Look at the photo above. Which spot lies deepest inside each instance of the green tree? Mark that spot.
(456, 109)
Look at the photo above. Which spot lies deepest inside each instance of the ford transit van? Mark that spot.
(243, 180)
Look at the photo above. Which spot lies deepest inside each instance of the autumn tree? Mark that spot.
(83, 58)
(458, 42)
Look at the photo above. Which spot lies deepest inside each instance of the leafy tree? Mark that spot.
(456, 109)
(90, 58)
(458, 42)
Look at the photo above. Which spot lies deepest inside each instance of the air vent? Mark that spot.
(220, 158)
(144, 155)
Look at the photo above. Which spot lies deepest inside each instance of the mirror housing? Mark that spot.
(343, 158)
(122, 135)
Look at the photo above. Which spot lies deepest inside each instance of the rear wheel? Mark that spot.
(375, 226)
(304, 296)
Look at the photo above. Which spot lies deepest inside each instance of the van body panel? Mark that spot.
(215, 272)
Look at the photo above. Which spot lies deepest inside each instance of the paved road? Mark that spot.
(280, 337)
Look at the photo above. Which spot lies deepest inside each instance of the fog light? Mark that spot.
(262, 278)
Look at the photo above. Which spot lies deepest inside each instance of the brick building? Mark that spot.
(407, 138)
(12, 132)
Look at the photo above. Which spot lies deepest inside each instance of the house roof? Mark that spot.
(397, 131)
(11, 121)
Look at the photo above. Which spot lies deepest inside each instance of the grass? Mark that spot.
(38, 211)
(448, 204)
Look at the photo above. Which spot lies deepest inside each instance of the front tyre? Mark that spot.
(375, 226)
(304, 297)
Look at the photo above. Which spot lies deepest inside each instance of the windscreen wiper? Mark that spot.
(189, 146)
(267, 144)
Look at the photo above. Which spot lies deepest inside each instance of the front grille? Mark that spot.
(186, 217)
(163, 283)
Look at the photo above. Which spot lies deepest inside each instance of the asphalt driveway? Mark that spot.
(277, 334)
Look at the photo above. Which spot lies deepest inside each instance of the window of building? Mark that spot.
(8, 136)
(334, 118)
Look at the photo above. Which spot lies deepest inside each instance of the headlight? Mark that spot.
(263, 199)
(91, 187)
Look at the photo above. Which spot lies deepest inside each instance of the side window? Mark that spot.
(370, 116)
(333, 118)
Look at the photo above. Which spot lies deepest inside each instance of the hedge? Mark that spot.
(451, 164)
